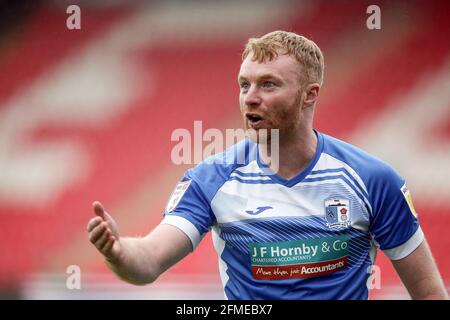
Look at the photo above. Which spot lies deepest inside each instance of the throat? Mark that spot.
(289, 160)
(289, 173)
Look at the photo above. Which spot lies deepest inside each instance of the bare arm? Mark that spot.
(137, 260)
(420, 275)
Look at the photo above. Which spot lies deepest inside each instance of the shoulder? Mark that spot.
(213, 172)
(372, 170)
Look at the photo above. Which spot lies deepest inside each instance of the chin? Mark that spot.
(260, 136)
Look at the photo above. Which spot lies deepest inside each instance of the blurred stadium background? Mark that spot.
(88, 115)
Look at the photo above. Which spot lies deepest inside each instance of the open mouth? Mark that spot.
(254, 119)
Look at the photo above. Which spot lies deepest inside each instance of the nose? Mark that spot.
(252, 97)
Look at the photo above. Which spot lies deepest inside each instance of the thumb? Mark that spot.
(98, 209)
(100, 212)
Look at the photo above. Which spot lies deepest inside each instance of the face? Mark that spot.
(270, 95)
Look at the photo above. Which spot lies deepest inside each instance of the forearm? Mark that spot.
(431, 288)
(420, 274)
(137, 260)
(135, 264)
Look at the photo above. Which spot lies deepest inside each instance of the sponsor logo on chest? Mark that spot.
(299, 258)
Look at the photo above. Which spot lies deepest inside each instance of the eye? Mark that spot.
(268, 84)
(244, 86)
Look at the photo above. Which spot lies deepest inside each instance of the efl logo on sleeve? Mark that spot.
(407, 194)
(177, 194)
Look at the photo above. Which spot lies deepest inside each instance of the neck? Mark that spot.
(295, 153)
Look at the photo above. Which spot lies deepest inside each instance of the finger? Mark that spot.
(108, 245)
(100, 243)
(97, 232)
(98, 209)
(93, 223)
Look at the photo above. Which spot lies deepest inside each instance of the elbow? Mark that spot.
(144, 279)
(141, 281)
(150, 279)
(138, 278)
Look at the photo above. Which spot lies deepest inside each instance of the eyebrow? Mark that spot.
(262, 77)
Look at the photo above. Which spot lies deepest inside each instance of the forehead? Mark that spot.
(282, 66)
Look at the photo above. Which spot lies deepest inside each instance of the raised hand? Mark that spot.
(103, 233)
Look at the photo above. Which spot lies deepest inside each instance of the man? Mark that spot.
(307, 229)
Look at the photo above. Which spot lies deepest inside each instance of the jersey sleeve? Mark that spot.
(189, 210)
(394, 224)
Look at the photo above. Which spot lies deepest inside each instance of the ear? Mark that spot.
(312, 93)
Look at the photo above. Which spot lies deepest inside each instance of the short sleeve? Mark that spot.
(394, 224)
(189, 210)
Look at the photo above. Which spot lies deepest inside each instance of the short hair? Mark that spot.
(305, 51)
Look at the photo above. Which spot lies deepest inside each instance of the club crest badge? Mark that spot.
(337, 213)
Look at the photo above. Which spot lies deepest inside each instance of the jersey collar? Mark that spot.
(301, 175)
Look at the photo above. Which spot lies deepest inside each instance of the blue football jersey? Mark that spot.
(314, 236)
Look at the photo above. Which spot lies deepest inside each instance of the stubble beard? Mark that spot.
(287, 123)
